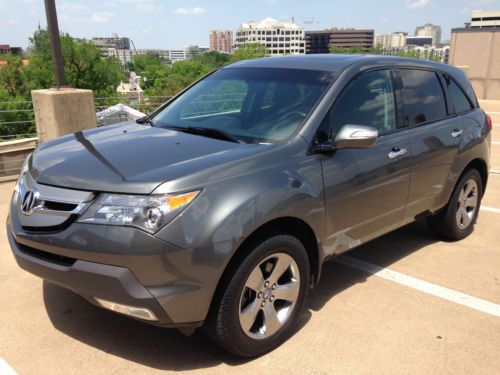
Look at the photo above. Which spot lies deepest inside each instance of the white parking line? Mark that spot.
(495, 142)
(490, 209)
(423, 286)
(495, 171)
(5, 369)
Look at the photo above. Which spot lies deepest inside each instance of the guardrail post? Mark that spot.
(62, 111)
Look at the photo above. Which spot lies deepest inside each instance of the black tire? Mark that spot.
(444, 224)
(223, 323)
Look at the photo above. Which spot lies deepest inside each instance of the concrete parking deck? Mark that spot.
(356, 321)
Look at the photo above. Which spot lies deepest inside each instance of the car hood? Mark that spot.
(129, 158)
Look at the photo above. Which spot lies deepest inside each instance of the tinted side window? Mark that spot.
(423, 96)
(460, 101)
(367, 100)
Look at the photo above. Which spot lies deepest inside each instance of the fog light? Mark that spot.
(137, 312)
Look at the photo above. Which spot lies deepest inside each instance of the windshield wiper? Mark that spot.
(207, 132)
(145, 120)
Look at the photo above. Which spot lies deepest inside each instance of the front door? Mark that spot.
(366, 190)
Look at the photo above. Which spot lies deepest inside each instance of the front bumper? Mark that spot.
(125, 266)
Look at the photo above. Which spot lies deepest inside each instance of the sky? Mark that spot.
(165, 24)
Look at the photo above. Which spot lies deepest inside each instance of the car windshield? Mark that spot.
(252, 105)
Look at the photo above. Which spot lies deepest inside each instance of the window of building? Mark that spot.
(460, 101)
(423, 96)
(367, 100)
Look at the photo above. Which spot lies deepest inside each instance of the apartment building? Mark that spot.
(280, 38)
(391, 40)
(221, 41)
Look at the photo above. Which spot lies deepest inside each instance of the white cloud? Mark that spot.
(190, 11)
(71, 7)
(101, 17)
(417, 3)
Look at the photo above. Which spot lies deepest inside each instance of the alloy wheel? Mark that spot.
(269, 296)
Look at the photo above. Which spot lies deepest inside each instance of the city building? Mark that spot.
(221, 40)
(431, 30)
(419, 40)
(112, 42)
(477, 51)
(485, 19)
(124, 56)
(6, 49)
(280, 38)
(321, 41)
(175, 55)
(391, 40)
(162, 54)
(192, 51)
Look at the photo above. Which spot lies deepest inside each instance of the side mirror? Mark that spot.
(355, 136)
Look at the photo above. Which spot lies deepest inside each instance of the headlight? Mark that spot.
(149, 213)
(24, 169)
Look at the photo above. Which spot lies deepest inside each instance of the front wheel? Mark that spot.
(258, 307)
(456, 220)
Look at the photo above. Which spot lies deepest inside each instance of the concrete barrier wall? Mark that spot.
(12, 156)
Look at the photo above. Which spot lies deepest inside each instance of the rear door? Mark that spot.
(366, 190)
(435, 133)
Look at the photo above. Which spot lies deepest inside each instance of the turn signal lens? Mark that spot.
(176, 201)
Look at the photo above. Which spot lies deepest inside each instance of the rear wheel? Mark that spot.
(258, 307)
(456, 220)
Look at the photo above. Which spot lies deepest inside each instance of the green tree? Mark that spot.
(249, 51)
(346, 50)
(83, 66)
(214, 59)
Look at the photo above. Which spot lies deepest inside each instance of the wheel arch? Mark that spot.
(283, 225)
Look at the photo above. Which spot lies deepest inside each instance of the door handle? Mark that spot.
(456, 133)
(396, 152)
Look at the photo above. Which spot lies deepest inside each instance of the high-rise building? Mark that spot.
(321, 41)
(391, 40)
(114, 41)
(280, 38)
(221, 40)
(431, 30)
(485, 19)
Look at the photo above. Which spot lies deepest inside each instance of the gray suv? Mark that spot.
(219, 209)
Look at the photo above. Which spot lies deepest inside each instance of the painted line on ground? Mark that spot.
(490, 209)
(5, 369)
(495, 142)
(493, 113)
(495, 171)
(423, 286)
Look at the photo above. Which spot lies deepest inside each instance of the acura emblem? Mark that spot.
(30, 201)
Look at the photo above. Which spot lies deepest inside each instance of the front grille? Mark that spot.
(59, 206)
(46, 256)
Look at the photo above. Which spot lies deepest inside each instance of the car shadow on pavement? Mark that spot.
(168, 349)
(383, 252)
